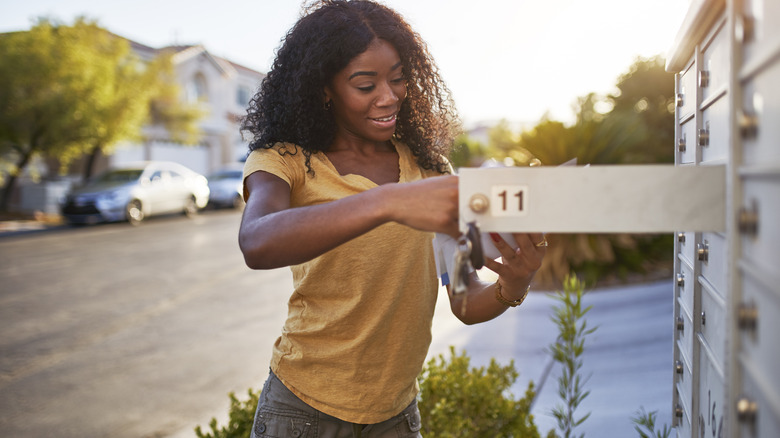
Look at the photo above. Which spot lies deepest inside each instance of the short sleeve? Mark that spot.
(284, 161)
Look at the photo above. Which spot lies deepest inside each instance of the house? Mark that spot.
(222, 88)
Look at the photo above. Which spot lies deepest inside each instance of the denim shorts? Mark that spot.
(281, 414)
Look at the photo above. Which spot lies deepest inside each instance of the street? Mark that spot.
(123, 331)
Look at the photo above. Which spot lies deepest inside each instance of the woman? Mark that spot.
(345, 183)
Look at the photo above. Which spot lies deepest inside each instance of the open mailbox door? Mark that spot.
(585, 199)
(594, 199)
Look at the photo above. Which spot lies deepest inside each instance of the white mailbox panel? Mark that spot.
(761, 106)
(766, 420)
(686, 290)
(684, 390)
(594, 199)
(713, 313)
(687, 247)
(687, 92)
(735, 305)
(713, 74)
(759, 22)
(685, 335)
(762, 196)
(716, 127)
(687, 144)
(711, 415)
(684, 427)
(759, 337)
(713, 262)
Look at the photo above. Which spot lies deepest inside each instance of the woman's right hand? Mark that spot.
(429, 204)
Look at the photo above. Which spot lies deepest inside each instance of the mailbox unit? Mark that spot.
(727, 288)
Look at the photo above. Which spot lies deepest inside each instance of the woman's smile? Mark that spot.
(385, 122)
(367, 94)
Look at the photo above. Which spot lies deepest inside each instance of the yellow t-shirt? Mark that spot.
(359, 320)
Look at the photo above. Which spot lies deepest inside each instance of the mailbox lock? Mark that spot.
(678, 367)
(703, 251)
(745, 28)
(704, 136)
(748, 219)
(680, 279)
(746, 410)
(704, 78)
(703, 318)
(479, 203)
(681, 237)
(748, 125)
(680, 323)
(681, 144)
(679, 99)
(678, 411)
(747, 316)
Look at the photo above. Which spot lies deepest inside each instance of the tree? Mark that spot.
(647, 90)
(141, 94)
(67, 91)
(504, 143)
(466, 152)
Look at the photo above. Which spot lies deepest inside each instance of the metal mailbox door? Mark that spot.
(594, 199)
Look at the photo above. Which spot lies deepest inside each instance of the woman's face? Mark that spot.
(367, 94)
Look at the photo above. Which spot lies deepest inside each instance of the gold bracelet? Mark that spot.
(506, 302)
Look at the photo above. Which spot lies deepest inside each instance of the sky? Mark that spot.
(517, 60)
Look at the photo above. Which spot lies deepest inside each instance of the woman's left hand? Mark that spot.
(517, 266)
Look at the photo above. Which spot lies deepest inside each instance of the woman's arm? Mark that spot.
(273, 235)
(515, 272)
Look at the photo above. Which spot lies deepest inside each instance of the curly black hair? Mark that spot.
(288, 106)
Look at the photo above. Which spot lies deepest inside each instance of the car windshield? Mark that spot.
(119, 175)
(227, 174)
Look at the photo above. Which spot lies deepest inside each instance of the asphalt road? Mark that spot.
(123, 331)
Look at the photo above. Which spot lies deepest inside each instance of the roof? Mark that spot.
(182, 52)
(185, 52)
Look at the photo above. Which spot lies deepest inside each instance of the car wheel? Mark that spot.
(191, 207)
(134, 213)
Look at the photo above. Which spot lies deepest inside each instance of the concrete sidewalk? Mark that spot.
(13, 226)
(628, 358)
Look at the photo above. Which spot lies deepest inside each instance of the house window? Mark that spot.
(242, 96)
(196, 89)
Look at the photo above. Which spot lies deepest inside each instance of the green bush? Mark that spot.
(458, 401)
(643, 419)
(242, 414)
(455, 401)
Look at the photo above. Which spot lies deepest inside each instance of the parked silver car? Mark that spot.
(136, 191)
(226, 187)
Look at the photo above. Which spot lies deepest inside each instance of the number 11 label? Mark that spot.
(508, 200)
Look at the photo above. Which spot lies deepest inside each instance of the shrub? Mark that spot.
(242, 414)
(458, 401)
(646, 420)
(567, 350)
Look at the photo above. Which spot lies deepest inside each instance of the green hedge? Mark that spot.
(455, 400)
